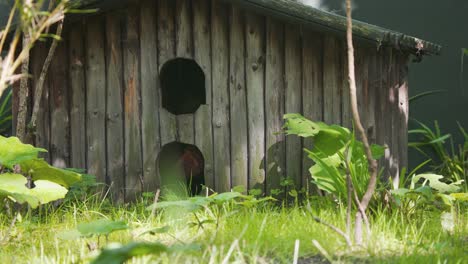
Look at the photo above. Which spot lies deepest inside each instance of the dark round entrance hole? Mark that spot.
(179, 162)
(183, 86)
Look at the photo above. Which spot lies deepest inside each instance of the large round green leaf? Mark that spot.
(39, 169)
(14, 186)
(13, 152)
(120, 254)
(101, 227)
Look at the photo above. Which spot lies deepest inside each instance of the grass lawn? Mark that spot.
(266, 233)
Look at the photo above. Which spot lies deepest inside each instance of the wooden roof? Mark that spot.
(308, 16)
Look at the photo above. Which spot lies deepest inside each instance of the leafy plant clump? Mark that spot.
(445, 157)
(25, 178)
(336, 152)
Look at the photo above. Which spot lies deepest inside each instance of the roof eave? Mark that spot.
(329, 22)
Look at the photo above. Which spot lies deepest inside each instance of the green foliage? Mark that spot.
(195, 203)
(39, 183)
(101, 227)
(428, 190)
(213, 203)
(335, 152)
(13, 152)
(39, 169)
(14, 186)
(83, 188)
(120, 254)
(446, 158)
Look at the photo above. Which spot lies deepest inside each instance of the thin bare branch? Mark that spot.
(23, 95)
(4, 33)
(357, 122)
(38, 90)
(336, 229)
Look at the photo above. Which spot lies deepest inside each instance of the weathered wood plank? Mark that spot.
(184, 49)
(185, 128)
(39, 53)
(332, 80)
(166, 51)
(371, 90)
(362, 83)
(150, 101)
(312, 92)
(77, 96)
(202, 55)
(346, 114)
(132, 93)
(114, 108)
(59, 115)
(403, 109)
(95, 92)
(238, 100)
(293, 100)
(395, 124)
(220, 71)
(274, 107)
(255, 84)
(384, 113)
(184, 45)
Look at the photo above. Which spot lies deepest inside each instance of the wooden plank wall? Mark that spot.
(106, 113)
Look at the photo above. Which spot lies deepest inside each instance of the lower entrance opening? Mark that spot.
(182, 165)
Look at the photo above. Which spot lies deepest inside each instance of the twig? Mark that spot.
(363, 213)
(40, 84)
(334, 228)
(23, 94)
(231, 249)
(296, 251)
(155, 201)
(349, 188)
(322, 250)
(13, 222)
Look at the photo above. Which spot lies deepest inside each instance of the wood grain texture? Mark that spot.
(346, 112)
(132, 93)
(150, 101)
(394, 111)
(403, 109)
(312, 92)
(166, 51)
(59, 105)
(114, 108)
(238, 100)
(221, 122)
(255, 84)
(95, 92)
(362, 83)
(274, 107)
(384, 113)
(202, 55)
(332, 80)
(293, 101)
(77, 96)
(372, 92)
(184, 49)
(185, 128)
(39, 54)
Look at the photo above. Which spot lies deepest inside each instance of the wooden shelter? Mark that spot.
(219, 75)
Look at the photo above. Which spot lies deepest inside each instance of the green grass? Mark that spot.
(262, 234)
